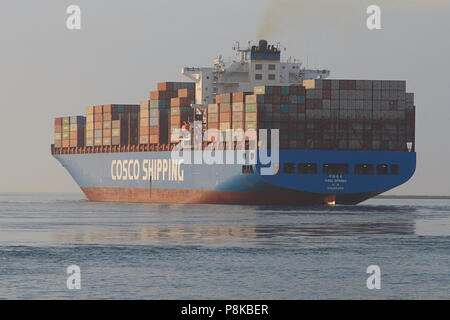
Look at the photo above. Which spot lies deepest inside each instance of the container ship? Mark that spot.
(331, 141)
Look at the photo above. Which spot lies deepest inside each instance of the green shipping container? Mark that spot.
(98, 141)
(107, 124)
(251, 107)
(155, 104)
(89, 142)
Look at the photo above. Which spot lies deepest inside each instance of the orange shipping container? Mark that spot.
(181, 102)
(144, 131)
(154, 139)
(186, 93)
(225, 108)
(238, 97)
(165, 86)
(154, 130)
(98, 117)
(157, 95)
(98, 109)
(225, 117)
(98, 125)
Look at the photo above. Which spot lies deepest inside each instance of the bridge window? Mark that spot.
(271, 77)
(307, 168)
(364, 169)
(247, 169)
(289, 168)
(382, 169)
(272, 67)
(258, 66)
(395, 169)
(258, 76)
(335, 168)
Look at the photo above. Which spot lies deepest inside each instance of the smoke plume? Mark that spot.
(279, 16)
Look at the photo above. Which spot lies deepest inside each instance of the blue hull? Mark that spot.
(154, 177)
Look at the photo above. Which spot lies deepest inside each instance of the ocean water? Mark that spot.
(151, 251)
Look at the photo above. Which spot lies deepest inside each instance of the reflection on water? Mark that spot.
(77, 221)
(149, 251)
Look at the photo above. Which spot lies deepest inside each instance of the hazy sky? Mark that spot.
(125, 47)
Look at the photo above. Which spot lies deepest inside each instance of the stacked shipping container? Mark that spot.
(165, 109)
(322, 114)
(69, 132)
(112, 125)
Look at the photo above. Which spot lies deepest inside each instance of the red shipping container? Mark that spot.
(317, 104)
(268, 99)
(326, 94)
(58, 129)
(276, 90)
(58, 122)
(98, 117)
(98, 109)
(276, 99)
(285, 99)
